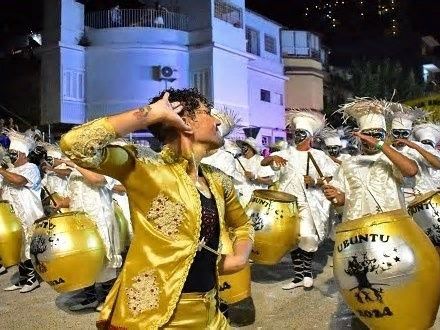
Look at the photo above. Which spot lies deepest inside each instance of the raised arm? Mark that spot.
(86, 145)
(405, 165)
(432, 159)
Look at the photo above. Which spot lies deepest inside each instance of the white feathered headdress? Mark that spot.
(368, 113)
(332, 137)
(404, 116)
(428, 131)
(52, 150)
(20, 142)
(312, 121)
(229, 120)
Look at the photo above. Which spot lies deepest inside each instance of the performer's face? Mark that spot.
(333, 150)
(400, 134)
(205, 128)
(14, 155)
(247, 151)
(301, 135)
(377, 133)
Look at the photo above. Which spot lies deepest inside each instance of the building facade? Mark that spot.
(101, 63)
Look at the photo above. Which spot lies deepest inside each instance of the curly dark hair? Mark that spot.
(190, 98)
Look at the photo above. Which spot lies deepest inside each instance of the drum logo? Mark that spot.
(46, 224)
(38, 246)
(257, 221)
(224, 286)
(377, 265)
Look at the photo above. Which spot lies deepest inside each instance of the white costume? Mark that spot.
(253, 165)
(53, 182)
(430, 132)
(313, 207)
(371, 183)
(96, 201)
(365, 180)
(26, 201)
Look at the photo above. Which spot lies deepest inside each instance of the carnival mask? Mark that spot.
(300, 135)
(13, 155)
(333, 151)
(377, 133)
(400, 133)
(428, 142)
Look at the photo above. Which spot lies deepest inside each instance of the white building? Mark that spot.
(230, 54)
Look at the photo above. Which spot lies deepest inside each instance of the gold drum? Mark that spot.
(67, 251)
(237, 286)
(274, 215)
(124, 237)
(387, 270)
(425, 210)
(11, 235)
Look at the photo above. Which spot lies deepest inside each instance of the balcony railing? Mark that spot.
(115, 18)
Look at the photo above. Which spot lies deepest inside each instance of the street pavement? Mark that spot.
(319, 308)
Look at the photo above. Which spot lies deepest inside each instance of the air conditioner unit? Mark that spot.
(164, 73)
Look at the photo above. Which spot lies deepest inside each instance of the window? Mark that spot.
(201, 80)
(264, 95)
(278, 138)
(73, 85)
(278, 98)
(270, 44)
(252, 41)
(228, 13)
(266, 140)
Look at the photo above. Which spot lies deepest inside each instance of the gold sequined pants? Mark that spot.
(197, 311)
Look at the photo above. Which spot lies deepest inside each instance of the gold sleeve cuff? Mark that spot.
(85, 144)
(245, 232)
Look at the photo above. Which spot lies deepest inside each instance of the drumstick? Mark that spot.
(203, 246)
(308, 167)
(51, 198)
(321, 175)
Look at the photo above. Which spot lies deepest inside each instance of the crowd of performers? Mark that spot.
(181, 200)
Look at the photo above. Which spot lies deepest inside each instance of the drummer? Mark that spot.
(371, 182)
(424, 154)
(300, 178)
(22, 187)
(429, 135)
(249, 165)
(56, 172)
(333, 144)
(91, 192)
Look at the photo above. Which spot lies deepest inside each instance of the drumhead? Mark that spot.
(420, 199)
(273, 195)
(58, 215)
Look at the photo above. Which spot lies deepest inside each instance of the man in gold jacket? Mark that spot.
(168, 194)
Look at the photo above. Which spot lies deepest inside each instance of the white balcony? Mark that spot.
(117, 18)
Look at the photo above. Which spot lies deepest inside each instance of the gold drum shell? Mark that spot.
(237, 286)
(425, 210)
(67, 251)
(386, 269)
(11, 235)
(124, 237)
(274, 215)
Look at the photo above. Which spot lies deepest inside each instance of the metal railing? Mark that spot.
(302, 52)
(114, 18)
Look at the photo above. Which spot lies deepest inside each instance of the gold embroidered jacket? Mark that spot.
(166, 213)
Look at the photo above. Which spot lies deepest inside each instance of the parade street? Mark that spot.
(275, 308)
